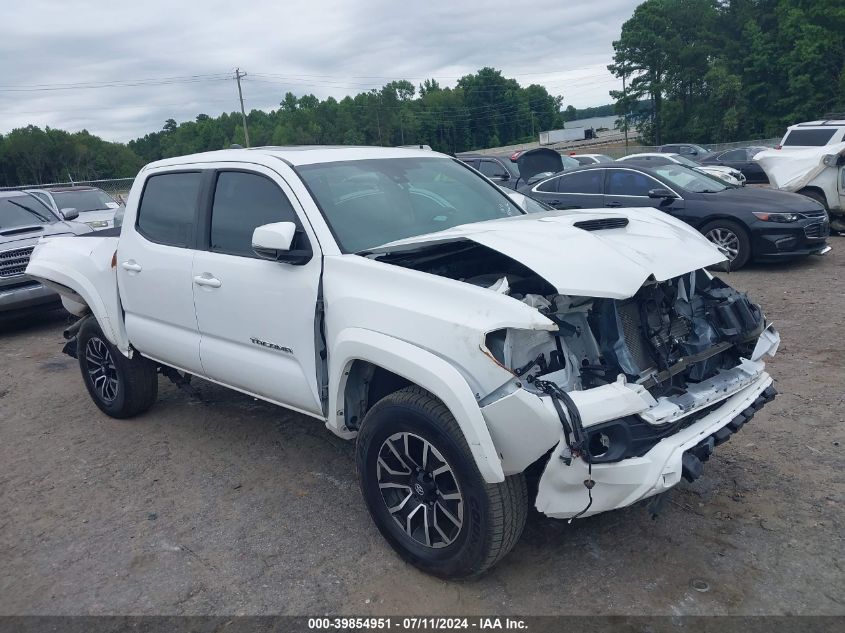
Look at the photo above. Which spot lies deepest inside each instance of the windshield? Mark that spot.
(690, 180)
(368, 203)
(86, 200)
(23, 211)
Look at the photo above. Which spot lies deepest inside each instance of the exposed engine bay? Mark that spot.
(668, 335)
(629, 372)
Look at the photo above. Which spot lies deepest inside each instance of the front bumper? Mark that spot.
(562, 493)
(26, 296)
(771, 241)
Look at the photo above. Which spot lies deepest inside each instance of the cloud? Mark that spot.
(322, 47)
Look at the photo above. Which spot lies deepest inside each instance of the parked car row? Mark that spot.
(747, 224)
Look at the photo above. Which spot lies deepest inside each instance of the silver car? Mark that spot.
(23, 221)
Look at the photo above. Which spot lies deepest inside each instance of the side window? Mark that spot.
(589, 181)
(685, 150)
(492, 169)
(472, 162)
(242, 202)
(622, 182)
(549, 186)
(736, 155)
(168, 208)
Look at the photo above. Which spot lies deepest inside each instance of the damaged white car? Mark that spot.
(406, 301)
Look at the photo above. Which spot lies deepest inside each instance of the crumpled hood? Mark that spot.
(612, 263)
(792, 169)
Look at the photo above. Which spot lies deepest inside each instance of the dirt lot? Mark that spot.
(224, 504)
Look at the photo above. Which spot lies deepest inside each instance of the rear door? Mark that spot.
(256, 317)
(154, 261)
(575, 190)
(629, 188)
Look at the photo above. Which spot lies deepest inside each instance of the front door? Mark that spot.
(256, 317)
(154, 262)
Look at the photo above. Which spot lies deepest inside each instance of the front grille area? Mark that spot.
(13, 262)
(816, 230)
(818, 213)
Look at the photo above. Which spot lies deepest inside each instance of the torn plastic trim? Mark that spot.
(561, 493)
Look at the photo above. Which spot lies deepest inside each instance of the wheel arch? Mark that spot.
(366, 365)
(805, 191)
(82, 271)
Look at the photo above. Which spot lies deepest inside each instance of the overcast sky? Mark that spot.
(49, 49)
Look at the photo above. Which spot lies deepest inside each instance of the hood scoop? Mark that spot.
(601, 224)
(21, 229)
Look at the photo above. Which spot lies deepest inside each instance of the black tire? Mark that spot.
(121, 387)
(814, 195)
(741, 242)
(492, 516)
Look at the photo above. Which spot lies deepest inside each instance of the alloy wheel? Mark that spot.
(101, 369)
(726, 240)
(420, 490)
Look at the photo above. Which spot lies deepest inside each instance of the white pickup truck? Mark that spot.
(476, 352)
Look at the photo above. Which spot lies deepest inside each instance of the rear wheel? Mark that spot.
(731, 238)
(424, 491)
(121, 387)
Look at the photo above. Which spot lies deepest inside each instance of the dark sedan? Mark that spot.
(741, 159)
(745, 222)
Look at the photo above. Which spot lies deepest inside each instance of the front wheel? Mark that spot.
(121, 387)
(424, 491)
(731, 238)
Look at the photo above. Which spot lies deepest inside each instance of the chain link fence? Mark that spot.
(614, 146)
(117, 188)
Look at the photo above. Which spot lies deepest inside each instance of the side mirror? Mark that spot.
(69, 213)
(663, 194)
(274, 242)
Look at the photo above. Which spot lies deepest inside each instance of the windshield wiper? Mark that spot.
(30, 209)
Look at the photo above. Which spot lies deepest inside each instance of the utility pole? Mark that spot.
(238, 75)
(532, 124)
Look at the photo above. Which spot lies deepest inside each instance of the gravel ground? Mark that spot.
(221, 504)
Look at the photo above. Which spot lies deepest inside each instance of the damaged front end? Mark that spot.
(642, 388)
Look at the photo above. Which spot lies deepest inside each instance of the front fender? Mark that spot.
(422, 368)
(80, 270)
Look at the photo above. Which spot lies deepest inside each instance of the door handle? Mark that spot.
(613, 204)
(131, 266)
(207, 280)
(552, 203)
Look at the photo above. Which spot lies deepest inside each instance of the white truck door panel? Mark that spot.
(154, 278)
(255, 316)
(258, 326)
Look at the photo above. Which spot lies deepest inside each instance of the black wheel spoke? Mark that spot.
(101, 369)
(420, 490)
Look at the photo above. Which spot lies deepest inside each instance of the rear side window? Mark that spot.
(549, 186)
(622, 182)
(582, 182)
(167, 213)
(493, 169)
(815, 138)
(733, 155)
(242, 202)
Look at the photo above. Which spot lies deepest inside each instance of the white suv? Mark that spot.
(401, 298)
(814, 134)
